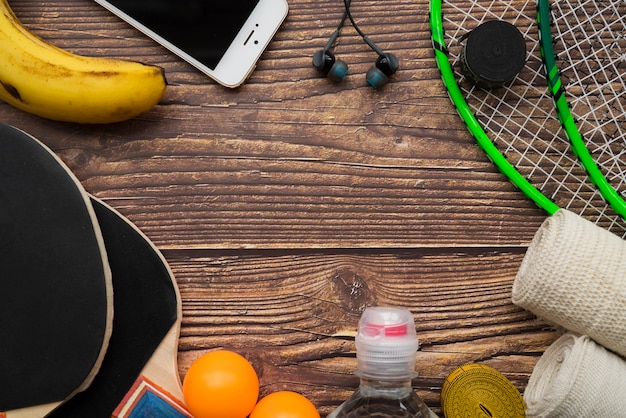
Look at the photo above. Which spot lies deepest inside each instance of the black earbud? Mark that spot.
(386, 64)
(325, 62)
(335, 69)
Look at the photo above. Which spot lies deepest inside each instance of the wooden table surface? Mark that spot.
(287, 206)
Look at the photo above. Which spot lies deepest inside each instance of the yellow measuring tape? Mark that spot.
(480, 391)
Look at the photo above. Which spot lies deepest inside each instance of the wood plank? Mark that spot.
(291, 313)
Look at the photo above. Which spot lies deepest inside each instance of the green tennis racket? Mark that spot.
(583, 44)
(514, 123)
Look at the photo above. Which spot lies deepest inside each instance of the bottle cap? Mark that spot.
(386, 342)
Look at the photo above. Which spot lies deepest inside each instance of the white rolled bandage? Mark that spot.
(574, 275)
(574, 378)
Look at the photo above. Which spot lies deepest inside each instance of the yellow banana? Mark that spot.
(50, 82)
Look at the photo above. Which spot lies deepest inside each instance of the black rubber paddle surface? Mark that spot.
(56, 309)
(146, 307)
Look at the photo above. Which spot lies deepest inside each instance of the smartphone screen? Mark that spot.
(203, 29)
(222, 38)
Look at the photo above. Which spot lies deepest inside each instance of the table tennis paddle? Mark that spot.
(56, 311)
(139, 376)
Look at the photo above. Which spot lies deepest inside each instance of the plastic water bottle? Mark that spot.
(385, 349)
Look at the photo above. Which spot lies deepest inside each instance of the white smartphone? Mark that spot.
(222, 38)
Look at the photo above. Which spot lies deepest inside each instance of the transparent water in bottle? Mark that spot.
(376, 399)
(385, 347)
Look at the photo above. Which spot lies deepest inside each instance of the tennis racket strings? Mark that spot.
(518, 118)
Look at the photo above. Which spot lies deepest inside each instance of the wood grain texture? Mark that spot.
(287, 206)
(291, 313)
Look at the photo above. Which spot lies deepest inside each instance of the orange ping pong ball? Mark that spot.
(284, 404)
(221, 384)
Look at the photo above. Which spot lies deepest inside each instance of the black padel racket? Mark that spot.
(512, 118)
(583, 44)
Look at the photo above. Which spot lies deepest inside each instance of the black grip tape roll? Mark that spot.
(495, 52)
